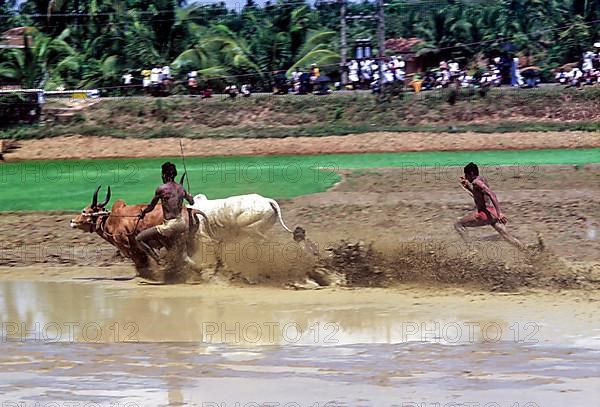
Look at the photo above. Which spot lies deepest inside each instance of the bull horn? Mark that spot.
(95, 197)
(103, 204)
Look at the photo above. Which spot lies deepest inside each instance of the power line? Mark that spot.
(380, 40)
(499, 37)
(199, 5)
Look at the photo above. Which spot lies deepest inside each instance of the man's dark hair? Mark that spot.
(169, 171)
(471, 168)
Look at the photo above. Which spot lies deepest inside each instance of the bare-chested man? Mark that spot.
(486, 214)
(171, 194)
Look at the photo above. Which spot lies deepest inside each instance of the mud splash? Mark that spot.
(437, 263)
(360, 264)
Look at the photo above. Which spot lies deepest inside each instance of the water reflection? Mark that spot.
(76, 312)
(188, 346)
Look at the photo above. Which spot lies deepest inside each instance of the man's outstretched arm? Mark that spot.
(466, 185)
(152, 204)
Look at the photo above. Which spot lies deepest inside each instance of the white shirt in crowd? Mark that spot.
(127, 79)
(155, 75)
(575, 73)
(588, 61)
(388, 75)
(561, 77)
(454, 67)
(353, 71)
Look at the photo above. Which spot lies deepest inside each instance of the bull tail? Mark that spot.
(209, 229)
(277, 210)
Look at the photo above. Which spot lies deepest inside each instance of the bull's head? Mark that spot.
(88, 217)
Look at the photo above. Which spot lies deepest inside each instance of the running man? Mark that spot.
(171, 194)
(486, 214)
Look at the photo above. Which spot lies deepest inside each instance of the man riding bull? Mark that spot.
(486, 214)
(171, 194)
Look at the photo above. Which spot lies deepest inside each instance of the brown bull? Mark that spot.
(120, 226)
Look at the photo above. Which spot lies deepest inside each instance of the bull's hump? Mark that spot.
(119, 204)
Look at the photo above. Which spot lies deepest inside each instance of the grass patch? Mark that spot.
(69, 184)
(337, 128)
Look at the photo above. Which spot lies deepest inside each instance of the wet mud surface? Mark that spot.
(378, 228)
(493, 327)
(137, 345)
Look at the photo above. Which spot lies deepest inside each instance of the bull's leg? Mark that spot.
(186, 246)
(144, 270)
(176, 259)
(191, 243)
(219, 256)
(142, 265)
(191, 240)
(257, 234)
(143, 239)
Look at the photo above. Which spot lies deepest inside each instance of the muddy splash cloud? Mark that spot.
(360, 264)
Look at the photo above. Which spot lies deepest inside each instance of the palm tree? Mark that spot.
(198, 59)
(218, 48)
(317, 49)
(32, 65)
(271, 48)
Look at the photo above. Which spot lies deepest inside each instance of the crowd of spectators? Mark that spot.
(587, 72)
(301, 82)
(501, 71)
(155, 77)
(364, 74)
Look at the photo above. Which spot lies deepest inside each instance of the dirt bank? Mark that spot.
(265, 116)
(77, 147)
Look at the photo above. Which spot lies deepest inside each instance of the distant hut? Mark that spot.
(406, 48)
(15, 37)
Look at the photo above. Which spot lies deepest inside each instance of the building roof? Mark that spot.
(402, 45)
(14, 38)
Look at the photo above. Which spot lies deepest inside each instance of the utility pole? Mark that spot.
(380, 40)
(344, 42)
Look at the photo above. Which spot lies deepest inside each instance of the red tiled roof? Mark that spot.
(402, 45)
(13, 38)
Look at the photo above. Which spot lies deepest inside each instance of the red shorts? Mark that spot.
(483, 216)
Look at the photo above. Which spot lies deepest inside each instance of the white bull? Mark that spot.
(234, 218)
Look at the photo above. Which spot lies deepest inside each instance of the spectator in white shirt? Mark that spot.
(155, 75)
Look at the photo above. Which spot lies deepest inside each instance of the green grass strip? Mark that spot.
(69, 184)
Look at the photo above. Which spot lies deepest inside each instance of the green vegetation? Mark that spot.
(544, 109)
(91, 43)
(68, 185)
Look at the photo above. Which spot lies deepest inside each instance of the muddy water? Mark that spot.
(126, 343)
